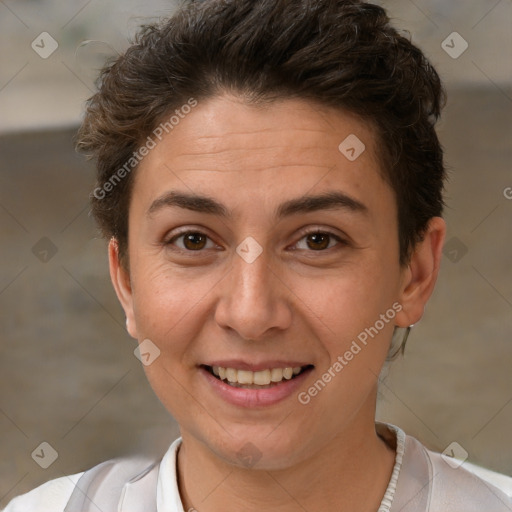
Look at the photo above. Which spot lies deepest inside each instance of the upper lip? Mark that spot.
(239, 364)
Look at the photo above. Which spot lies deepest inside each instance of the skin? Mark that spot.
(299, 299)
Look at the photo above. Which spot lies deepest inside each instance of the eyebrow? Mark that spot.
(332, 200)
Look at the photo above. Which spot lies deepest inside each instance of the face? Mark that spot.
(232, 266)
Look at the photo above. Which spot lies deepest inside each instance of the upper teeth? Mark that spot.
(262, 378)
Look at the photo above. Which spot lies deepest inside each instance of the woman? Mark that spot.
(271, 182)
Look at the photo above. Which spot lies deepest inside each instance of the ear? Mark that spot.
(419, 277)
(121, 281)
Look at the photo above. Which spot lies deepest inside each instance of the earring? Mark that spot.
(397, 344)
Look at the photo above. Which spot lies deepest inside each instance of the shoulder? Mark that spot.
(49, 497)
(499, 480)
(425, 480)
(467, 484)
(454, 483)
(130, 481)
(108, 485)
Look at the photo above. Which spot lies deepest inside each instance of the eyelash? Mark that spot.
(340, 240)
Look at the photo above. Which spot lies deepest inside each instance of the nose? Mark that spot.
(254, 300)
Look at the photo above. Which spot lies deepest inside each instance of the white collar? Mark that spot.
(168, 494)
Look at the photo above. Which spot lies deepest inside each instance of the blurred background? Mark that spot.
(68, 375)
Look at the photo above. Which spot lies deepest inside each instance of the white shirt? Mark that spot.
(406, 490)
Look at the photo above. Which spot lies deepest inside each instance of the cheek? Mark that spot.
(159, 303)
(355, 321)
(168, 312)
(353, 328)
(170, 306)
(355, 299)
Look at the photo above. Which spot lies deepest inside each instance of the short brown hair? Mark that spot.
(340, 53)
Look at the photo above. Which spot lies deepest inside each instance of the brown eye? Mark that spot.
(320, 241)
(192, 241)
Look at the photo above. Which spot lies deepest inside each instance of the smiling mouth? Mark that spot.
(255, 380)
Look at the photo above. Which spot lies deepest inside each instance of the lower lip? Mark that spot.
(252, 398)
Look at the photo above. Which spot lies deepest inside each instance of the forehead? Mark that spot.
(225, 124)
(287, 147)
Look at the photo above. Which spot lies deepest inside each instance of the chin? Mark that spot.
(255, 448)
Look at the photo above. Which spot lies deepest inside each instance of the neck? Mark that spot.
(351, 472)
